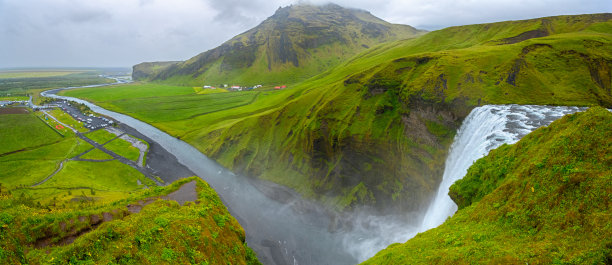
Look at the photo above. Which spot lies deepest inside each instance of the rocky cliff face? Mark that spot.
(296, 43)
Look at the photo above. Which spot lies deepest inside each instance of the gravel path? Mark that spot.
(61, 165)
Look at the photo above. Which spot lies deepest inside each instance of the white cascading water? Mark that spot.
(483, 130)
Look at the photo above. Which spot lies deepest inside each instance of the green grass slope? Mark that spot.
(296, 43)
(162, 232)
(375, 129)
(543, 200)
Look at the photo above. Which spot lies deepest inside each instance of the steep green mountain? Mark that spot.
(543, 200)
(376, 129)
(148, 227)
(296, 43)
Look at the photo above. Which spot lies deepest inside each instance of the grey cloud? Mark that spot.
(89, 16)
(126, 32)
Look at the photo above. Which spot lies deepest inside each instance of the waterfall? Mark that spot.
(484, 129)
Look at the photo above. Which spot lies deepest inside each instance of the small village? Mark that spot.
(241, 88)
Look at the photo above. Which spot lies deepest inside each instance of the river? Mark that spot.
(287, 231)
(283, 229)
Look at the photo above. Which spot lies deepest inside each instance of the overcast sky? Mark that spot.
(106, 33)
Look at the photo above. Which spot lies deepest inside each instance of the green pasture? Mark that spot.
(33, 165)
(33, 82)
(100, 136)
(13, 98)
(33, 151)
(123, 148)
(128, 91)
(96, 154)
(161, 103)
(35, 73)
(102, 176)
(22, 131)
(182, 110)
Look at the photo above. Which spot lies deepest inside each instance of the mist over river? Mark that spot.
(282, 228)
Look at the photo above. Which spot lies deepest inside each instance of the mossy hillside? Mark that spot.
(296, 43)
(334, 144)
(386, 117)
(162, 232)
(543, 200)
(477, 62)
(345, 125)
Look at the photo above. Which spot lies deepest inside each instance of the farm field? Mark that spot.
(13, 98)
(35, 163)
(123, 148)
(180, 110)
(22, 82)
(35, 73)
(23, 131)
(77, 174)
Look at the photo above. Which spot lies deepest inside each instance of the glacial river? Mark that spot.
(290, 230)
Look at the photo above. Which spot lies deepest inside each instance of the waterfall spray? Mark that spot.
(483, 130)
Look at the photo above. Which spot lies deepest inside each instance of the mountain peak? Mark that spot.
(296, 43)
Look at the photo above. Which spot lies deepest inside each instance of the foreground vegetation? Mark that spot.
(543, 200)
(160, 232)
